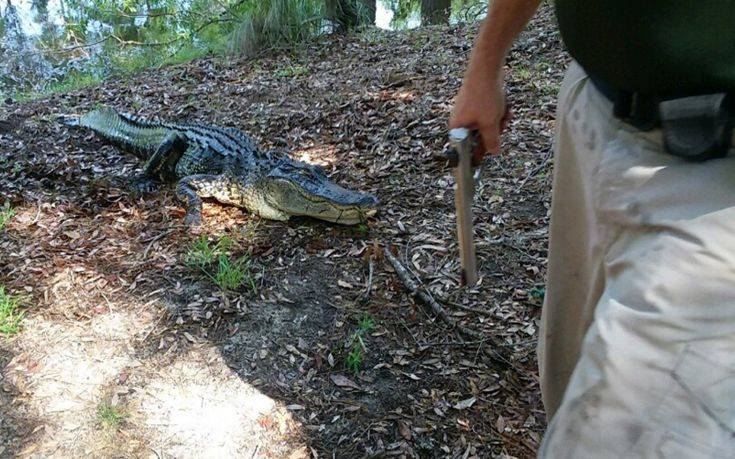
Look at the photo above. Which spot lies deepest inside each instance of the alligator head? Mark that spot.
(296, 188)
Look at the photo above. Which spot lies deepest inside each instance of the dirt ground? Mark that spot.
(115, 320)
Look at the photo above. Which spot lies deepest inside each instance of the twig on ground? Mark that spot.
(547, 158)
(38, 214)
(498, 348)
(370, 279)
(452, 343)
(484, 312)
(157, 238)
(425, 298)
(410, 333)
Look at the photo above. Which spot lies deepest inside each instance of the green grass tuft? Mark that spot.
(110, 416)
(276, 24)
(231, 275)
(6, 213)
(366, 324)
(200, 254)
(292, 70)
(353, 362)
(523, 73)
(72, 82)
(228, 274)
(10, 315)
(356, 344)
(203, 253)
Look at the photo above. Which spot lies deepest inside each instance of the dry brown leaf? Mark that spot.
(343, 381)
(464, 404)
(404, 430)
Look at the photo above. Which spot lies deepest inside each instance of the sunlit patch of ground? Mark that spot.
(322, 155)
(75, 385)
(198, 407)
(61, 370)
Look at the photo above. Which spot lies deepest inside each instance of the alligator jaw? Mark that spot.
(302, 189)
(344, 211)
(360, 218)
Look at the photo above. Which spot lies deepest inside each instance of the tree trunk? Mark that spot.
(435, 11)
(348, 14)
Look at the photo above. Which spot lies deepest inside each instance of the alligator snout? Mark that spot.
(368, 200)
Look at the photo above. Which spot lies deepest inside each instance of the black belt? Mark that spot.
(694, 127)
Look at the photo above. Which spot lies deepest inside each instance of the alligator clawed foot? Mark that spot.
(144, 186)
(193, 220)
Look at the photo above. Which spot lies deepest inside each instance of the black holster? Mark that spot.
(695, 128)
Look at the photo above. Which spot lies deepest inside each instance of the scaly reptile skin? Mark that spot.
(225, 164)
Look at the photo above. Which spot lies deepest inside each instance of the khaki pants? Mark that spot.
(637, 348)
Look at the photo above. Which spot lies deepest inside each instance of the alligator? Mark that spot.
(225, 164)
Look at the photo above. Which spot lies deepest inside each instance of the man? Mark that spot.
(637, 347)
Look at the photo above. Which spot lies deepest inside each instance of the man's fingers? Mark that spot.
(489, 135)
(490, 140)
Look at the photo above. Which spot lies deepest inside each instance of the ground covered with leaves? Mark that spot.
(257, 338)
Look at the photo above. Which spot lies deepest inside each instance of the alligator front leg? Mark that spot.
(146, 182)
(191, 189)
(237, 191)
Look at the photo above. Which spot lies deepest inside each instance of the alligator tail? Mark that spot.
(126, 131)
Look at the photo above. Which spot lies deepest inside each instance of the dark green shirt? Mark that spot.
(662, 46)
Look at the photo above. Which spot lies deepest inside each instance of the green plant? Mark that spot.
(200, 254)
(544, 65)
(292, 70)
(523, 73)
(10, 315)
(231, 275)
(228, 275)
(353, 361)
(366, 324)
(71, 82)
(225, 243)
(356, 344)
(6, 213)
(109, 415)
(276, 23)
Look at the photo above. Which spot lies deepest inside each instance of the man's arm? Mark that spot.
(480, 103)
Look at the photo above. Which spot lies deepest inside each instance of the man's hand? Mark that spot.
(480, 103)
